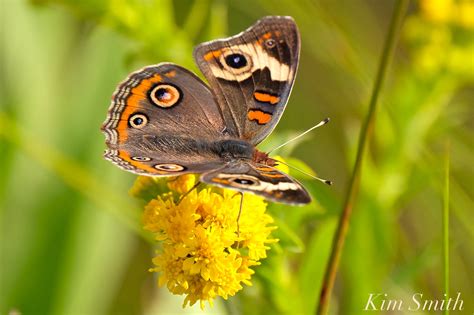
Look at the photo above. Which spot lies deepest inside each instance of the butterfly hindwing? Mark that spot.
(259, 179)
(158, 120)
(251, 75)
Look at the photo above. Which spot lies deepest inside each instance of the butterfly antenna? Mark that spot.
(321, 123)
(327, 182)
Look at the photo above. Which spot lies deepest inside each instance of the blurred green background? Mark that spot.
(71, 240)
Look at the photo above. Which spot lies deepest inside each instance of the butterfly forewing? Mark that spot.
(251, 75)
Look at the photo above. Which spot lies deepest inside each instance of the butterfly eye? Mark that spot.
(138, 121)
(270, 43)
(165, 95)
(169, 167)
(236, 61)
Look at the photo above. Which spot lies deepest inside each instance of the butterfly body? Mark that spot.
(165, 121)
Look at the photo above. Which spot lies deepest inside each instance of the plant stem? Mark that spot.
(365, 133)
(446, 225)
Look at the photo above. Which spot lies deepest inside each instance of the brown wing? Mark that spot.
(251, 75)
(159, 121)
(261, 180)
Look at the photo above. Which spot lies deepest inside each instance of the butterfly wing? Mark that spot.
(159, 121)
(261, 180)
(251, 75)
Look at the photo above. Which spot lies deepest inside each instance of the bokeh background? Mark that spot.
(71, 239)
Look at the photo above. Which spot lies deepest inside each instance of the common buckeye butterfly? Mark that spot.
(165, 121)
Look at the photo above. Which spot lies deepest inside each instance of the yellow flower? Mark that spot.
(460, 12)
(282, 167)
(466, 14)
(206, 252)
(441, 37)
(182, 184)
(437, 10)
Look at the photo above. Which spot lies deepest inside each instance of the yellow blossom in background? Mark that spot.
(458, 12)
(437, 10)
(466, 14)
(205, 251)
(441, 37)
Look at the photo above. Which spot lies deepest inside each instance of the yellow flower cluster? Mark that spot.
(457, 12)
(442, 37)
(206, 252)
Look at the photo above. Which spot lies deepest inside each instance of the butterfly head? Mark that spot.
(263, 158)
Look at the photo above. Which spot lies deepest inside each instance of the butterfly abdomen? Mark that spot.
(227, 150)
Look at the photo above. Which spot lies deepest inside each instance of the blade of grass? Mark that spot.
(196, 18)
(365, 133)
(446, 225)
(73, 175)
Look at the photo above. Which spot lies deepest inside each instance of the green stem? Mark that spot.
(365, 133)
(446, 225)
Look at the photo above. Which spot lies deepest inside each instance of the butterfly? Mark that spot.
(165, 121)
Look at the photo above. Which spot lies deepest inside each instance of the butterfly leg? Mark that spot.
(189, 191)
(240, 211)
